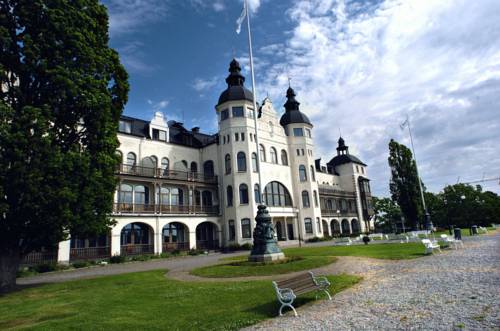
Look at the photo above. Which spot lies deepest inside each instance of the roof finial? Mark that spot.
(234, 53)
(289, 80)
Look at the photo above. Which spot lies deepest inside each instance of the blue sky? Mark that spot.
(359, 66)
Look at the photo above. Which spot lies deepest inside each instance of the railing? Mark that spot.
(40, 257)
(343, 213)
(331, 191)
(130, 208)
(89, 253)
(137, 249)
(180, 246)
(135, 170)
(207, 244)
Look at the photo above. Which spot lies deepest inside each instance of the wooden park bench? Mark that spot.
(430, 246)
(288, 289)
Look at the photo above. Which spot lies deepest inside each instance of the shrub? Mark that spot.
(246, 247)
(117, 259)
(81, 264)
(142, 257)
(195, 252)
(366, 240)
(165, 255)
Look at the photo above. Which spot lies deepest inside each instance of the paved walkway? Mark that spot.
(449, 291)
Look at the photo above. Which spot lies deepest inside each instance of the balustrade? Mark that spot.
(135, 170)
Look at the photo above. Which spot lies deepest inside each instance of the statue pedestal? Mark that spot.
(266, 257)
(265, 247)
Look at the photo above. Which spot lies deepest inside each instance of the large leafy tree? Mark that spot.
(61, 95)
(403, 185)
(387, 214)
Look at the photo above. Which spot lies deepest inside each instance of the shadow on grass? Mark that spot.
(271, 309)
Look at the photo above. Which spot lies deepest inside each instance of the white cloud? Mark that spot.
(201, 84)
(361, 67)
(160, 105)
(128, 15)
(132, 57)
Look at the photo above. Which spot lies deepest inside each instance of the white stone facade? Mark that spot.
(175, 184)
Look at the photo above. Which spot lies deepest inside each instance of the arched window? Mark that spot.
(163, 196)
(255, 166)
(308, 225)
(243, 194)
(284, 157)
(125, 194)
(229, 195)
(256, 193)
(176, 196)
(276, 194)
(313, 176)
(141, 194)
(262, 151)
(208, 168)
(131, 159)
(241, 162)
(194, 167)
(274, 155)
(305, 199)
(232, 230)
(315, 196)
(302, 173)
(228, 163)
(164, 165)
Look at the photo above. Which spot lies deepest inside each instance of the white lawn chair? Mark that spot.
(430, 246)
(452, 241)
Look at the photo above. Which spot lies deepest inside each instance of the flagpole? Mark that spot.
(257, 145)
(427, 218)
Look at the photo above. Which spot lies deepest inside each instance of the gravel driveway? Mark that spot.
(449, 291)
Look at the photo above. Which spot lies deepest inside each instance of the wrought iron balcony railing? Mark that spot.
(134, 170)
(136, 208)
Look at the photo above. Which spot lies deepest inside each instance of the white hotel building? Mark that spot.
(182, 189)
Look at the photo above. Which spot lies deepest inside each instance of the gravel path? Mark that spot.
(449, 291)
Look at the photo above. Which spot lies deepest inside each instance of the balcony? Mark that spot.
(130, 208)
(133, 170)
(329, 190)
(333, 213)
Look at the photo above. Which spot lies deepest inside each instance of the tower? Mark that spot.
(237, 152)
(298, 129)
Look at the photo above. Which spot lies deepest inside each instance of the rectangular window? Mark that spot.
(238, 112)
(125, 127)
(159, 135)
(236, 136)
(308, 225)
(242, 136)
(302, 151)
(298, 132)
(298, 152)
(245, 228)
(232, 230)
(251, 137)
(308, 133)
(250, 113)
(224, 115)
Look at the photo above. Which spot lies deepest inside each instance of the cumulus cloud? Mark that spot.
(363, 66)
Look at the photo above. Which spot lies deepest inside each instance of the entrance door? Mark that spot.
(290, 231)
(279, 231)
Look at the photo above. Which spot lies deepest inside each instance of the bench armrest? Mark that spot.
(321, 281)
(286, 294)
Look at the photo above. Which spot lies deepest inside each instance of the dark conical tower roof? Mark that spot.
(235, 85)
(292, 112)
(343, 156)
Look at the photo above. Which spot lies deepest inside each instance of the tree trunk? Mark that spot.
(9, 264)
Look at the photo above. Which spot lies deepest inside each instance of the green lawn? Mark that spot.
(239, 267)
(465, 232)
(146, 301)
(392, 251)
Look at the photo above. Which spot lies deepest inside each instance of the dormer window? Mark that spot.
(224, 115)
(298, 132)
(159, 135)
(125, 126)
(238, 112)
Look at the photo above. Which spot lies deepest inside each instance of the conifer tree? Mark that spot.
(404, 183)
(62, 90)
